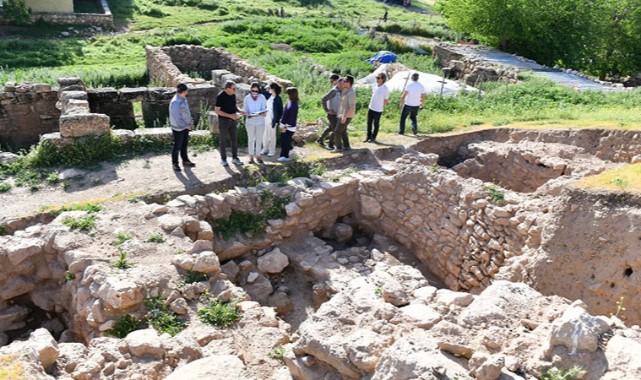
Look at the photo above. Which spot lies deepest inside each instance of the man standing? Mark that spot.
(346, 112)
(181, 123)
(380, 98)
(330, 102)
(228, 114)
(412, 99)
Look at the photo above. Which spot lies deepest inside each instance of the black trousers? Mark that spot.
(286, 143)
(181, 139)
(228, 130)
(329, 131)
(412, 111)
(374, 118)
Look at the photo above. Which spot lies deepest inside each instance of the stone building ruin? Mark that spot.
(28, 111)
(366, 273)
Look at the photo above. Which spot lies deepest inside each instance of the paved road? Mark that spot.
(511, 61)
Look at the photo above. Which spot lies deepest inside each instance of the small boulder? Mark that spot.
(272, 263)
(145, 343)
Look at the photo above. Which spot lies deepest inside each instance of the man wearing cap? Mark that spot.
(330, 102)
(380, 98)
(411, 101)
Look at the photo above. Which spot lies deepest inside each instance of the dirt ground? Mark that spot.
(151, 174)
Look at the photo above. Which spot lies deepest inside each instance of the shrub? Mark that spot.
(124, 326)
(496, 195)
(121, 237)
(161, 318)
(16, 12)
(561, 374)
(219, 314)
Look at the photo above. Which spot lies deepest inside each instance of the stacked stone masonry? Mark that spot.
(93, 19)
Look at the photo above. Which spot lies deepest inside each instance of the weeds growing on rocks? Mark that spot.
(561, 374)
(219, 314)
(496, 195)
(192, 277)
(83, 224)
(278, 353)
(88, 207)
(5, 187)
(156, 238)
(121, 238)
(161, 318)
(122, 262)
(124, 326)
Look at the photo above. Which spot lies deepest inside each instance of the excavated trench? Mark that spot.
(464, 210)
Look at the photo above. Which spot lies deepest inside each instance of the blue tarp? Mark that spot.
(383, 57)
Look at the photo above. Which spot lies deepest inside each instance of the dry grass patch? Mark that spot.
(625, 179)
(11, 368)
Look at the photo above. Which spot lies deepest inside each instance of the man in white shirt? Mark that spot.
(379, 100)
(411, 101)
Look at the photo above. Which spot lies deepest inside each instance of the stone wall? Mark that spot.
(167, 65)
(60, 18)
(26, 112)
(450, 223)
(471, 70)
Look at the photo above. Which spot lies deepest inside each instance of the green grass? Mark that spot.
(5, 187)
(625, 179)
(219, 314)
(88, 207)
(192, 277)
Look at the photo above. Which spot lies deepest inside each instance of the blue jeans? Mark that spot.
(412, 111)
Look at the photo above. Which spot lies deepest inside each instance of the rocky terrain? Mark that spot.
(411, 267)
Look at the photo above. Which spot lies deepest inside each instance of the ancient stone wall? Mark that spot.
(59, 18)
(451, 224)
(167, 65)
(472, 71)
(26, 112)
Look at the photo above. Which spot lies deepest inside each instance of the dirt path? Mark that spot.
(152, 174)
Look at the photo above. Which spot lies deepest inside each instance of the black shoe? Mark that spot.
(188, 163)
(401, 133)
(330, 147)
(320, 142)
(176, 168)
(367, 140)
(372, 140)
(414, 131)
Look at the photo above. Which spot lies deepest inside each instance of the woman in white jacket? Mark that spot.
(255, 105)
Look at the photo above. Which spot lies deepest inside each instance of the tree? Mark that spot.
(16, 12)
(602, 37)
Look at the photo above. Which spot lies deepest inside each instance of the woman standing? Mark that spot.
(274, 113)
(255, 105)
(288, 124)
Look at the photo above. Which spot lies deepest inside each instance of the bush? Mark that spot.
(16, 12)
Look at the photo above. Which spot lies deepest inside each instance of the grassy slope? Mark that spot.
(323, 33)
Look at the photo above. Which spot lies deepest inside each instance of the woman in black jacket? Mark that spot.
(274, 113)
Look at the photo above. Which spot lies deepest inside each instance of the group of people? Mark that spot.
(340, 105)
(266, 116)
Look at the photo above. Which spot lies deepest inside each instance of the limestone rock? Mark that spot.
(577, 330)
(624, 361)
(215, 367)
(421, 315)
(206, 262)
(120, 293)
(22, 249)
(272, 263)
(146, 342)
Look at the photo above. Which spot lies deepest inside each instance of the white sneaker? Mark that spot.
(270, 154)
(282, 159)
(224, 163)
(236, 161)
(263, 152)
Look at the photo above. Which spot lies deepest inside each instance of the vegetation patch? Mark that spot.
(497, 196)
(627, 179)
(562, 374)
(242, 222)
(88, 207)
(5, 187)
(219, 314)
(124, 325)
(157, 238)
(11, 367)
(193, 277)
(122, 262)
(83, 224)
(121, 238)
(161, 318)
